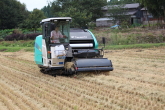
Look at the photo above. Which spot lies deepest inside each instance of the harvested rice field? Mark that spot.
(137, 83)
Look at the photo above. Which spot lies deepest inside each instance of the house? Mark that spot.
(133, 11)
(104, 22)
(136, 13)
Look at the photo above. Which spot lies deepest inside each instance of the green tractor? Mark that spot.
(76, 52)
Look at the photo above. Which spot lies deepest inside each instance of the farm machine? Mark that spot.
(77, 52)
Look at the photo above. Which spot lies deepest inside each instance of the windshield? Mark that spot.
(64, 29)
(56, 32)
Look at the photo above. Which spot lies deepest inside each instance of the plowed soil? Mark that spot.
(137, 83)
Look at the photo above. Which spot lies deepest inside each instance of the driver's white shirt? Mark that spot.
(55, 36)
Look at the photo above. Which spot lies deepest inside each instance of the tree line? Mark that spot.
(15, 15)
(81, 11)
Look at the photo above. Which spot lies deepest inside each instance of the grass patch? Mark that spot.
(129, 36)
(14, 46)
(15, 49)
(107, 47)
(20, 43)
(133, 46)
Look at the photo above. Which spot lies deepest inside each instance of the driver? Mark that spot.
(55, 35)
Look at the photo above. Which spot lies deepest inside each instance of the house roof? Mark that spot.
(131, 12)
(133, 5)
(126, 13)
(103, 19)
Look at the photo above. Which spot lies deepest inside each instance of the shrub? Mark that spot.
(19, 36)
(32, 36)
(4, 33)
(92, 25)
(14, 36)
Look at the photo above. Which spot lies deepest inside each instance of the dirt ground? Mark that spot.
(137, 83)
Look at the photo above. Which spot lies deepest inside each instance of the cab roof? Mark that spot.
(56, 18)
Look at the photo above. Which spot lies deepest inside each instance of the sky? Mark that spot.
(31, 4)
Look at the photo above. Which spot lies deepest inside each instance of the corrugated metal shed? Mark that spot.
(104, 22)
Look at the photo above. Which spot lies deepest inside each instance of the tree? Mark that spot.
(118, 13)
(155, 7)
(79, 17)
(90, 6)
(12, 14)
(34, 19)
(128, 1)
(93, 6)
(47, 11)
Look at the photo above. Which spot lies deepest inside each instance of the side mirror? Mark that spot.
(103, 40)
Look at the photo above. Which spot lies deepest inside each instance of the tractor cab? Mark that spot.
(47, 52)
(49, 25)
